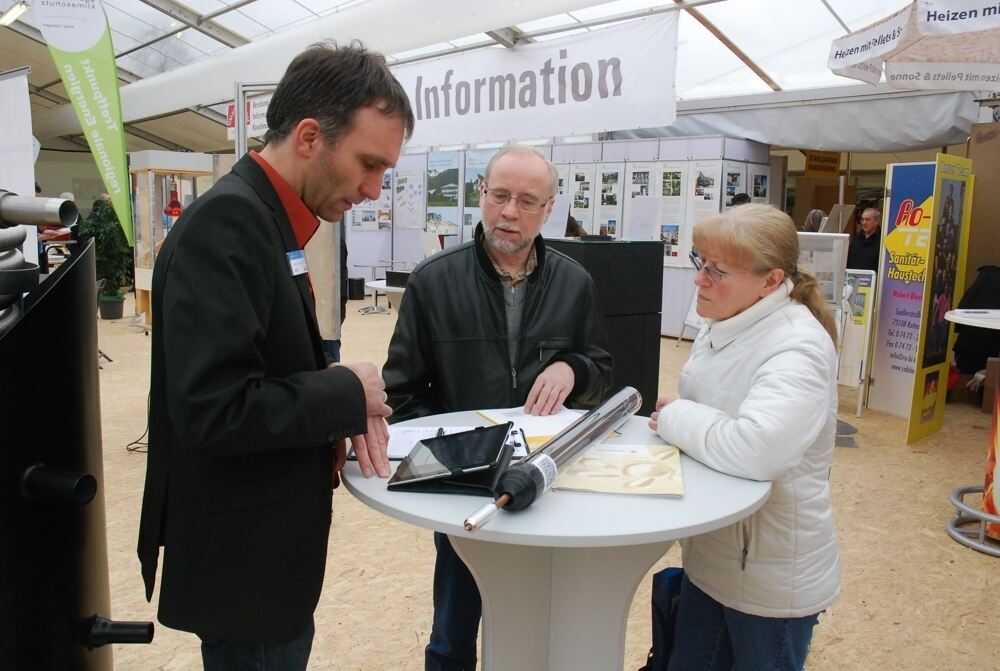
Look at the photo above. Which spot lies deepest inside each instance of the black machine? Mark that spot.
(629, 280)
(54, 562)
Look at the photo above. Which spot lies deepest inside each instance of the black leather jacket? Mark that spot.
(449, 350)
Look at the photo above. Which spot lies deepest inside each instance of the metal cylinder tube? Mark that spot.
(32, 211)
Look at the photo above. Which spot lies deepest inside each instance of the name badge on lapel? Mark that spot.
(297, 262)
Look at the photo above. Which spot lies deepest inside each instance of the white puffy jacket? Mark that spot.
(758, 399)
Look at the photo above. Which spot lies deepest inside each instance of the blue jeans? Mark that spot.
(230, 656)
(332, 349)
(457, 611)
(710, 637)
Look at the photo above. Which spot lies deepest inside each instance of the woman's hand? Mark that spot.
(661, 403)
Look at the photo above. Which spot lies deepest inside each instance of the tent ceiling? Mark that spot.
(725, 47)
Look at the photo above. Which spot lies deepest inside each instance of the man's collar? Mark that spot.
(304, 222)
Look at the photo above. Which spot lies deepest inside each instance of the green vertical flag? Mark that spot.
(80, 43)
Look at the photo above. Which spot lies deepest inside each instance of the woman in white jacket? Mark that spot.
(758, 399)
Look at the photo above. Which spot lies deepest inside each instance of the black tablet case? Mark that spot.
(478, 483)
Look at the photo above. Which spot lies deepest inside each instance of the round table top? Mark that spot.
(575, 519)
(380, 285)
(987, 319)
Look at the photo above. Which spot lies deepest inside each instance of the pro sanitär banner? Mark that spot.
(609, 79)
(80, 43)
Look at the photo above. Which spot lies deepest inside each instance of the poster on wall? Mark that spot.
(611, 177)
(906, 237)
(948, 244)
(409, 199)
(675, 224)
(582, 186)
(442, 193)
(735, 178)
(858, 310)
(703, 194)
(824, 255)
(758, 176)
(371, 215)
(563, 186)
(476, 161)
(642, 181)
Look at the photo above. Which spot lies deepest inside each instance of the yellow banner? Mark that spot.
(942, 286)
(822, 164)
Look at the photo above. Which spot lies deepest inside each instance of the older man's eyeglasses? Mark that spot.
(713, 273)
(526, 204)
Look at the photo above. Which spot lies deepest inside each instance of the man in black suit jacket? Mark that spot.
(246, 422)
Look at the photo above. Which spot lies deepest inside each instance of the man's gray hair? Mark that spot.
(524, 149)
(878, 215)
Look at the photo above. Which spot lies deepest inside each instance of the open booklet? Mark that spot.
(617, 468)
(537, 429)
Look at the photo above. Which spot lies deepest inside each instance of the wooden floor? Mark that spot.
(912, 597)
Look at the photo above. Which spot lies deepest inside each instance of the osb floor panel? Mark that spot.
(912, 597)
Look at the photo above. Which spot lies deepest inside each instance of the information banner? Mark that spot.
(612, 78)
(946, 278)
(80, 43)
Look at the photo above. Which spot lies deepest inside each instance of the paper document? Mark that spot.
(617, 468)
(537, 428)
(403, 438)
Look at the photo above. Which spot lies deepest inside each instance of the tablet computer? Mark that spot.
(453, 455)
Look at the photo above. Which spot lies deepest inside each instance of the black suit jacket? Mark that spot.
(242, 416)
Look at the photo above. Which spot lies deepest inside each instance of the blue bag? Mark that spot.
(666, 591)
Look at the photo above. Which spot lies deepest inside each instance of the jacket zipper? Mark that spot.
(513, 376)
(747, 535)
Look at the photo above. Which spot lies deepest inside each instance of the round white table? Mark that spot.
(557, 579)
(979, 529)
(377, 286)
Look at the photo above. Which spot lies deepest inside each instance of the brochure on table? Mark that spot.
(925, 238)
(616, 468)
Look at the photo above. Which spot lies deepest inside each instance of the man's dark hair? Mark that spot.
(740, 199)
(330, 83)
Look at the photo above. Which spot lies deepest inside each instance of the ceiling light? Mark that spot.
(14, 13)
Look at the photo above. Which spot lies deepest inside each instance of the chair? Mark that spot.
(692, 320)
(100, 352)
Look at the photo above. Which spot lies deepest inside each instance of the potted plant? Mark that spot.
(113, 256)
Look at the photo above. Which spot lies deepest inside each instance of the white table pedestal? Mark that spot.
(559, 609)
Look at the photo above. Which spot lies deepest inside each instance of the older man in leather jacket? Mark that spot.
(500, 321)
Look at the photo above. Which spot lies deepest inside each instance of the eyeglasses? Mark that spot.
(526, 204)
(713, 272)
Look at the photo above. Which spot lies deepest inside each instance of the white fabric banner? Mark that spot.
(942, 17)
(859, 55)
(610, 79)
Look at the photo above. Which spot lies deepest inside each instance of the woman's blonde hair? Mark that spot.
(761, 238)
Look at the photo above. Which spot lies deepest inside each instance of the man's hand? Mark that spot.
(374, 386)
(661, 403)
(339, 459)
(370, 449)
(550, 389)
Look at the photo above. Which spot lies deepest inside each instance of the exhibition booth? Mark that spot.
(637, 169)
